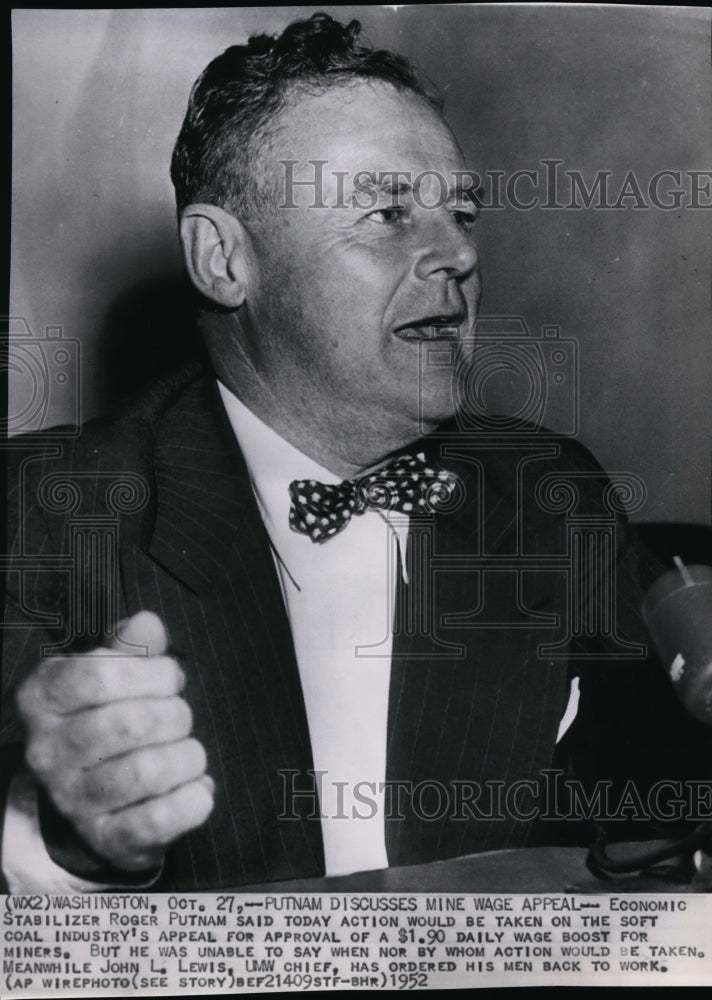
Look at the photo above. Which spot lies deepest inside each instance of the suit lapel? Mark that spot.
(471, 701)
(208, 572)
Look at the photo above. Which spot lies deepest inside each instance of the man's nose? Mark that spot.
(447, 248)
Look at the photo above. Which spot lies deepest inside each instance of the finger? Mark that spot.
(143, 634)
(71, 684)
(142, 774)
(135, 837)
(98, 734)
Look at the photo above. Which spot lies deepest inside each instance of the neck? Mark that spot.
(340, 440)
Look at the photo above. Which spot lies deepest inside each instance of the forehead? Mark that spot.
(364, 125)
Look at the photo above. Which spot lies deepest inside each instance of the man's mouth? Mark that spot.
(431, 328)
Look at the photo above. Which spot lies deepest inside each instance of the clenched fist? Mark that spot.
(108, 735)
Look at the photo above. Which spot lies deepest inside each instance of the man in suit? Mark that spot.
(211, 669)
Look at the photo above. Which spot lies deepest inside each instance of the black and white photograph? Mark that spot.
(358, 540)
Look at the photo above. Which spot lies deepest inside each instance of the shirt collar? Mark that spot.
(272, 464)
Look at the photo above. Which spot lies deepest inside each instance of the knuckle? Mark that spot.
(92, 734)
(171, 672)
(40, 755)
(148, 720)
(184, 716)
(198, 805)
(47, 685)
(89, 737)
(63, 682)
(65, 799)
(128, 723)
(99, 830)
(29, 696)
(90, 678)
(141, 770)
(203, 805)
(196, 754)
(65, 792)
(155, 823)
(78, 734)
(119, 839)
(141, 859)
(93, 786)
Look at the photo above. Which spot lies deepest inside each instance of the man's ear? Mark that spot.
(216, 250)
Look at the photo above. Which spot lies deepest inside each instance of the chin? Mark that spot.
(431, 413)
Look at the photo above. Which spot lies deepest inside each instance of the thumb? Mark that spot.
(142, 634)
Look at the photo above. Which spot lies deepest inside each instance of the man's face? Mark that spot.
(349, 283)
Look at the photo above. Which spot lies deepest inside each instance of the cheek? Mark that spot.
(328, 306)
(332, 297)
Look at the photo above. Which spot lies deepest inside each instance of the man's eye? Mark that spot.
(387, 216)
(466, 220)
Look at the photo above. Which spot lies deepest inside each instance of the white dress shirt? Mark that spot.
(339, 597)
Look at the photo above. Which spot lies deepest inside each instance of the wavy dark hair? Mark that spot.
(234, 102)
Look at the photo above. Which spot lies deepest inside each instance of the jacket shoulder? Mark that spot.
(117, 441)
(107, 469)
(532, 467)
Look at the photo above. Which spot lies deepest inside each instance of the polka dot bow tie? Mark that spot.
(407, 485)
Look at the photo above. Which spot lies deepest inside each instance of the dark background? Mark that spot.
(98, 100)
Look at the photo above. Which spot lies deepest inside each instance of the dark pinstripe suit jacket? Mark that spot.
(472, 697)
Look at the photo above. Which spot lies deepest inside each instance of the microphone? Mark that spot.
(678, 612)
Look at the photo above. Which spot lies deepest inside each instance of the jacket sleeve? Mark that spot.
(37, 622)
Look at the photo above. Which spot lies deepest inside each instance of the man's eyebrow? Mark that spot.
(467, 192)
(388, 183)
(385, 182)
